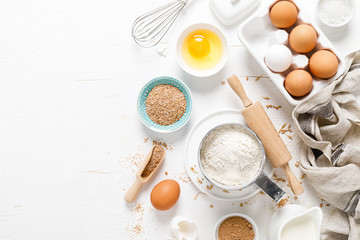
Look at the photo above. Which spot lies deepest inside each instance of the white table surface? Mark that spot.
(69, 78)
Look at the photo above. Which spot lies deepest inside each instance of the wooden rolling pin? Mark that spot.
(259, 122)
(151, 163)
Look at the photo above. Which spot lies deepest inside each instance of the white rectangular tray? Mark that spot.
(257, 34)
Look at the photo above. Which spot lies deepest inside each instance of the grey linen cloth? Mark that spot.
(329, 125)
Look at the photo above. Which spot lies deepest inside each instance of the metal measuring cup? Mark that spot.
(260, 179)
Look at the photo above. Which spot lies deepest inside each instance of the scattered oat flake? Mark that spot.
(225, 191)
(184, 178)
(266, 98)
(241, 204)
(211, 206)
(193, 170)
(283, 202)
(327, 205)
(259, 77)
(166, 173)
(146, 139)
(272, 106)
(261, 192)
(199, 193)
(199, 180)
(290, 137)
(247, 78)
(222, 83)
(303, 176)
(321, 205)
(279, 179)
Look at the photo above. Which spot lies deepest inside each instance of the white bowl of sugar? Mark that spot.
(335, 13)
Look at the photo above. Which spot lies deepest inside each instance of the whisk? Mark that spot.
(150, 28)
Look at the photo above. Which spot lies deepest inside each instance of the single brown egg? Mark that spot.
(323, 64)
(298, 83)
(165, 194)
(283, 14)
(303, 38)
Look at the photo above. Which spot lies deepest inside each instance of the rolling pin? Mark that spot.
(275, 149)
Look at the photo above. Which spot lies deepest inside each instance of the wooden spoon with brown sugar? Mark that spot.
(145, 172)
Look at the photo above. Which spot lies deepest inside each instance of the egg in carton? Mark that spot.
(258, 34)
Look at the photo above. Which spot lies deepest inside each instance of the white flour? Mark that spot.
(231, 155)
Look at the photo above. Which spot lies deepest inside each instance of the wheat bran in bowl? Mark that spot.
(165, 104)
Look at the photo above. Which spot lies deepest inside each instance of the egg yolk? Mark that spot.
(199, 46)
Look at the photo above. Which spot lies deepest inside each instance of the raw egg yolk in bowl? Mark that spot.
(202, 49)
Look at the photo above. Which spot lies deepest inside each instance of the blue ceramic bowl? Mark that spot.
(142, 107)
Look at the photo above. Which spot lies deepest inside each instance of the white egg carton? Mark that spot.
(258, 33)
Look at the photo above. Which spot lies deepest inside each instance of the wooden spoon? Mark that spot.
(140, 180)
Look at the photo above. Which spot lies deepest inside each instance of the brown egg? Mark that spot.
(298, 83)
(303, 38)
(165, 194)
(283, 14)
(323, 64)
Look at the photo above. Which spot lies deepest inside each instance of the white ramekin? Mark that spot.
(249, 219)
(197, 72)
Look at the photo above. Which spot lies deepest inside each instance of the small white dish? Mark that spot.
(197, 72)
(351, 4)
(249, 219)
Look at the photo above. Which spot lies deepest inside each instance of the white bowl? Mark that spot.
(197, 72)
(249, 219)
(346, 21)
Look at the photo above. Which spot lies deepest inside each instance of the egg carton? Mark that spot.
(258, 33)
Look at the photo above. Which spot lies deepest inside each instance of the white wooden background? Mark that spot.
(69, 78)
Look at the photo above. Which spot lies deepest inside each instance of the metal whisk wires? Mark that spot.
(150, 28)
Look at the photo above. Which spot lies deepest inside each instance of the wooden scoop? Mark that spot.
(260, 123)
(140, 180)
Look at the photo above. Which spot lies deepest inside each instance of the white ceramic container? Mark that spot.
(229, 12)
(257, 33)
(249, 219)
(352, 6)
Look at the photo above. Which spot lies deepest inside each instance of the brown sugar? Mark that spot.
(154, 161)
(165, 104)
(236, 228)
